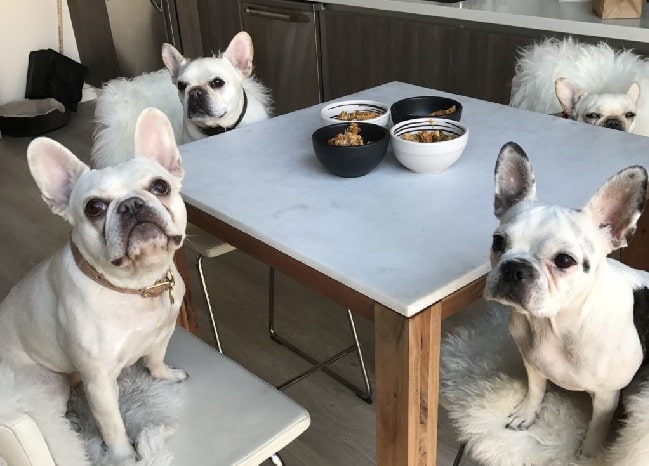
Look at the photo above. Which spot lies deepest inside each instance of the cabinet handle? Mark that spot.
(279, 15)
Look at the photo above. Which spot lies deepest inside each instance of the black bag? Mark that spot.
(51, 74)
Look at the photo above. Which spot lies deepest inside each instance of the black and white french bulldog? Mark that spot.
(111, 295)
(578, 317)
(201, 97)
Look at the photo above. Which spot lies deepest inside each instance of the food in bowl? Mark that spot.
(425, 106)
(427, 136)
(368, 111)
(445, 111)
(358, 115)
(351, 161)
(428, 158)
(350, 137)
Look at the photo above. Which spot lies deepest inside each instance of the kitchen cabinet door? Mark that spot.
(286, 38)
(361, 49)
(219, 21)
(482, 61)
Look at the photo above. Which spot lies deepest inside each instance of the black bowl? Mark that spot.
(351, 161)
(423, 106)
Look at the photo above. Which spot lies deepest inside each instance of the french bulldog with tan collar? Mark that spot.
(579, 318)
(111, 295)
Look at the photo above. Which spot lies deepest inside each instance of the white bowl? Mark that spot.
(329, 113)
(428, 157)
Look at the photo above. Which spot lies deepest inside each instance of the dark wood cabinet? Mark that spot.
(482, 62)
(364, 48)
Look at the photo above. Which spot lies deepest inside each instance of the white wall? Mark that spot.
(27, 25)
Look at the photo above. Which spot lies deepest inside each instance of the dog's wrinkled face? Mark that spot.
(129, 215)
(127, 219)
(546, 258)
(210, 88)
(609, 110)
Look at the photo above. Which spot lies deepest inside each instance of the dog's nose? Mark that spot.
(130, 206)
(517, 271)
(613, 123)
(196, 92)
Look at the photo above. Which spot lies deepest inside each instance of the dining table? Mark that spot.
(403, 250)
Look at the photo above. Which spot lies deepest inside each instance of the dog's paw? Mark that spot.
(522, 417)
(122, 452)
(179, 375)
(163, 371)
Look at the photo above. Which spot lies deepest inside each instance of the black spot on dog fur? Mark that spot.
(641, 316)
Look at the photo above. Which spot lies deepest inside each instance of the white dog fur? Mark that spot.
(127, 222)
(578, 318)
(199, 96)
(601, 77)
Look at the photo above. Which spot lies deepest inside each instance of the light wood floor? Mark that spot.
(342, 427)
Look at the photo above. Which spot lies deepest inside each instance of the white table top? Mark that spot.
(573, 17)
(405, 240)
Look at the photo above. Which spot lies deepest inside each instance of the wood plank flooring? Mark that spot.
(342, 428)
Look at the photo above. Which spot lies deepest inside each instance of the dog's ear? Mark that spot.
(240, 52)
(514, 179)
(617, 205)
(172, 59)
(633, 92)
(568, 94)
(154, 139)
(55, 170)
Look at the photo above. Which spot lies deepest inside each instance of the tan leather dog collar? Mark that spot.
(166, 283)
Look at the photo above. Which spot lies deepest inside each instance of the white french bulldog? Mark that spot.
(202, 97)
(579, 319)
(606, 109)
(110, 296)
(592, 83)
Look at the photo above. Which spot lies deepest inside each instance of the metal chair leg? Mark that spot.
(206, 295)
(459, 455)
(276, 460)
(364, 394)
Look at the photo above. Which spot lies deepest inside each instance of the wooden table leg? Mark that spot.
(187, 315)
(407, 386)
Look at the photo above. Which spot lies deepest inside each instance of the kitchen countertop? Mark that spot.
(574, 17)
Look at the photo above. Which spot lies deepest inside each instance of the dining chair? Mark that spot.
(208, 246)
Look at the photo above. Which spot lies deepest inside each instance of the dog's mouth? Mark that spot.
(144, 237)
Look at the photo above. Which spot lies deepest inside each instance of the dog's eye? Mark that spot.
(629, 115)
(592, 116)
(159, 187)
(564, 261)
(181, 85)
(498, 244)
(216, 83)
(96, 207)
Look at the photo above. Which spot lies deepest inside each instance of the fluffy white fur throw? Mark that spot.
(150, 409)
(482, 380)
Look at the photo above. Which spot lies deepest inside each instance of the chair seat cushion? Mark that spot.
(230, 415)
(22, 443)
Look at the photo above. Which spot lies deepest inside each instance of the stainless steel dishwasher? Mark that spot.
(286, 37)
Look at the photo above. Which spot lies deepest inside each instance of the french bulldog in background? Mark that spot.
(606, 109)
(111, 295)
(591, 83)
(579, 318)
(202, 97)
